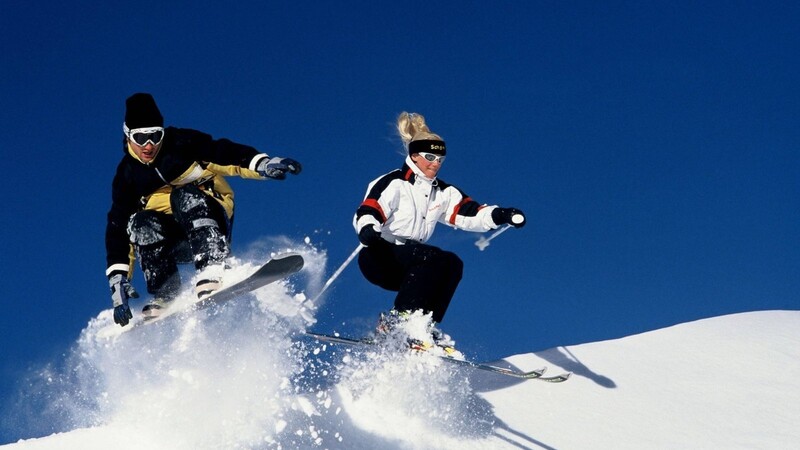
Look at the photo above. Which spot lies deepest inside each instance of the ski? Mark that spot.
(529, 375)
(273, 270)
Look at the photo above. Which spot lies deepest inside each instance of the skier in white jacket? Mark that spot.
(398, 216)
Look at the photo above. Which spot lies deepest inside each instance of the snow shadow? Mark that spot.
(556, 360)
(483, 381)
(562, 357)
(518, 439)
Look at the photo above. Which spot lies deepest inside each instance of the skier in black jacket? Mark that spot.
(171, 204)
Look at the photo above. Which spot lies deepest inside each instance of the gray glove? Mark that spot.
(121, 291)
(277, 167)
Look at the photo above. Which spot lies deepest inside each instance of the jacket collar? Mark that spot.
(411, 172)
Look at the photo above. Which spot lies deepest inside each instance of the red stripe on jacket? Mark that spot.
(452, 219)
(456, 209)
(372, 203)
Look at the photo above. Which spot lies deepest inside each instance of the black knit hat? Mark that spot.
(141, 112)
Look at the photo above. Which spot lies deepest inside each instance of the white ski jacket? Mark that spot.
(405, 206)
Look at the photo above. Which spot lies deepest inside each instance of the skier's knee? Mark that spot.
(453, 259)
(145, 228)
(189, 203)
(453, 263)
(206, 222)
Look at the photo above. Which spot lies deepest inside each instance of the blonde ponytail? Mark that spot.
(412, 127)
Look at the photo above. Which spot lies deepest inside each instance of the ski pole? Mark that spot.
(483, 242)
(337, 273)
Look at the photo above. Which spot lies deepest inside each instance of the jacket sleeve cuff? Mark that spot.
(366, 220)
(256, 159)
(117, 269)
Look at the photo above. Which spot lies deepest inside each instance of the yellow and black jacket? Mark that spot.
(186, 156)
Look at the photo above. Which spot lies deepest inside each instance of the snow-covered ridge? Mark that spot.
(244, 377)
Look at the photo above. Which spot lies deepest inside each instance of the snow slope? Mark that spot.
(241, 377)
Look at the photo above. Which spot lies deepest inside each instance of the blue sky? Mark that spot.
(653, 147)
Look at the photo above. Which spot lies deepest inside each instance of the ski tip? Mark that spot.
(287, 255)
(558, 378)
(296, 259)
(534, 373)
(539, 375)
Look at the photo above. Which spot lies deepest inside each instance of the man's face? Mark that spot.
(147, 152)
(146, 142)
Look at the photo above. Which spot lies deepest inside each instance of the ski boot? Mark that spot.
(419, 345)
(388, 321)
(390, 328)
(209, 281)
(445, 342)
(442, 348)
(155, 308)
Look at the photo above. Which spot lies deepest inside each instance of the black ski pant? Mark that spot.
(425, 277)
(198, 230)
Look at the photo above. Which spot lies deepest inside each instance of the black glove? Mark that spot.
(277, 167)
(370, 236)
(511, 216)
(121, 290)
(122, 314)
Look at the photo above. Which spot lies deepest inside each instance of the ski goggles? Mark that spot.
(431, 157)
(141, 136)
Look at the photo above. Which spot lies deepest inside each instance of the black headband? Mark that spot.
(427, 146)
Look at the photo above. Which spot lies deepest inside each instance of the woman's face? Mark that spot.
(429, 168)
